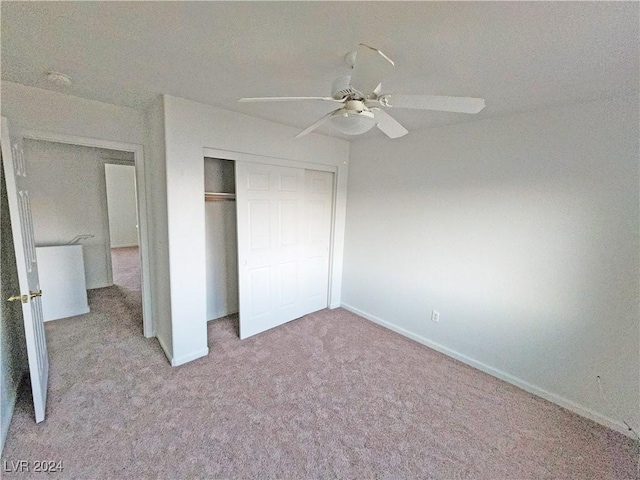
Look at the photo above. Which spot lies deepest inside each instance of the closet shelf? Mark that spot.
(216, 197)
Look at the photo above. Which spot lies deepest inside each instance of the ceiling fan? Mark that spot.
(363, 103)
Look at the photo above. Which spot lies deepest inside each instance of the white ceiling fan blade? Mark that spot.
(389, 125)
(315, 125)
(434, 102)
(285, 99)
(370, 68)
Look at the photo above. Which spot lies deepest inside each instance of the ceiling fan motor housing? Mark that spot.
(341, 88)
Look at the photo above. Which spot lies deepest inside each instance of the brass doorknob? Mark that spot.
(25, 298)
(15, 298)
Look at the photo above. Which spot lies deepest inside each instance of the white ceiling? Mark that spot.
(518, 56)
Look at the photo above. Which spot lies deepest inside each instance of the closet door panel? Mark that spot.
(260, 291)
(260, 238)
(289, 294)
(288, 223)
(317, 241)
(270, 206)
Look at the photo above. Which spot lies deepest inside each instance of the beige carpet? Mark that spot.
(125, 264)
(328, 396)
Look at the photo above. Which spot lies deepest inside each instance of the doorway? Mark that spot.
(85, 186)
(120, 185)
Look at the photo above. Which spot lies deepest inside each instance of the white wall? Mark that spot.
(121, 204)
(523, 232)
(29, 108)
(221, 243)
(68, 198)
(189, 128)
(37, 109)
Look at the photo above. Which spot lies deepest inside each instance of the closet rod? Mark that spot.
(216, 197)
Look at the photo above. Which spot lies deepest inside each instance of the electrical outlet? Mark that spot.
(435, 316)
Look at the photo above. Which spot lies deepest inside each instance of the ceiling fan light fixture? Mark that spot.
(353, 123)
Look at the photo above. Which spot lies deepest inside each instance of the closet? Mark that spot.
(220, 237)
(268, 231)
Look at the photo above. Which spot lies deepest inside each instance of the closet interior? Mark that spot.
(220, 238)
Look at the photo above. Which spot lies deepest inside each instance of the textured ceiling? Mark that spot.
(518, 56)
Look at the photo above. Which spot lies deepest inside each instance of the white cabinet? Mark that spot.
(62, 281)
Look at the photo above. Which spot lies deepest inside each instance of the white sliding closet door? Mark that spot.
(284, 225)
(270, 204)
(317, 240)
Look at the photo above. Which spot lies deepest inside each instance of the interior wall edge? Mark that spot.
(164, 347)
(494, 372)
(155, 181)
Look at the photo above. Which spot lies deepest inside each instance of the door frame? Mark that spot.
(334, 283)
(143, 224)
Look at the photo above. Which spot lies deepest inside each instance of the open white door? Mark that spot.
(24, 244)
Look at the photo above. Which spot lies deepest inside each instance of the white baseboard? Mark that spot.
(552, 397)
(80, 312)
(175, 362)
(188, 358)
